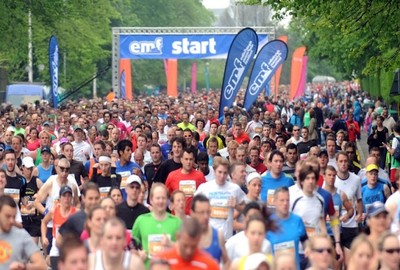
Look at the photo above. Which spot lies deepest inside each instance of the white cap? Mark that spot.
(28, 162)
(253, 261)
(252, 176)
(132, 179)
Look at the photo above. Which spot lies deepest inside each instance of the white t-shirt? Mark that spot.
(310, 209)
(210, 176)
(238, 246)
(394, 199)
(352, 188)
(332, 162)
(221, 215)
(80, 149)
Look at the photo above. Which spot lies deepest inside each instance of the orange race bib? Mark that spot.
(124, 176)
(104, 191)
(270, 198)
(155, 244)
(219, 212)
(188, 187)
(285, 247)
(13, 193)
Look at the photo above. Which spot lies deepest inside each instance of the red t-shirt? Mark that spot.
(188, 183)
(243, 137)
(201, 260)
(260, 168)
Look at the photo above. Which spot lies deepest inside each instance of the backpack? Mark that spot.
(396, 153)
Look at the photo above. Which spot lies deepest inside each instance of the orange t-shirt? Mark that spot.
(201, 260)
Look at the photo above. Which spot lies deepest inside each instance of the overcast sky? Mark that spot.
(214, 4)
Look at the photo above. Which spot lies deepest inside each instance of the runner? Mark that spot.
(186, 179)
(112, 254)
(212, 241)
(155, 230)
(59, 214)
(224, 198)
(19, 250)
(186, 254)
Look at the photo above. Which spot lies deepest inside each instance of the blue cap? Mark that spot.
(375, 209)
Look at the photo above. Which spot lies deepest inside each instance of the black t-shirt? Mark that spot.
(129, 214)
(74, 224)
(164, 170)
(304, 147)
(16, 182)
(78, 170)
(114, 180)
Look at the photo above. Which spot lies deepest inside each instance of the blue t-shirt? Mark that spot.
(268, 183)
(291, 232)
(369, 196)
(125, 171)
(165, 149)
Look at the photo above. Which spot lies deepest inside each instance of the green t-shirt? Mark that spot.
(394, 163)
(306, 119)
(149, 232)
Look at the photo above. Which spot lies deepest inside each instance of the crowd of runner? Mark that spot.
(165, 183)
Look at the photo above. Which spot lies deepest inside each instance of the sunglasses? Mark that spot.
(392, 250)
(64, 169)
(296, 129)
(322, 250)
(135, 187)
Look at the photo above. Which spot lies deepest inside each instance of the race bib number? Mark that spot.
(14, 193)
(219, 212)
(104, 191)
(27, 207)
(285, 247)
(188, 187)
(310, 230)
(155, 244)
(124, 176)
(270, 198)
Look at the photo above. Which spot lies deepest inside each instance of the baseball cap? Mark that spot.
(254, 261)
(78, 128)
(63, 140)
(323, 152)
(2, 145)
(372, 167)
(65, 189)
(375, 209)
(28, 162)
(133, 179)
(46, 123)
(256, 135)
(45, 149)
(252, 176)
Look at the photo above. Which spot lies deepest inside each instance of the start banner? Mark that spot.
(180, 46)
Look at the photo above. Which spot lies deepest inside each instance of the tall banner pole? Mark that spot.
(270, 57)
(240, 56)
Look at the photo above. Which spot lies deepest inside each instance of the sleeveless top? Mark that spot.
(59, 220)
(214, 249)
(98, 262)
(30, 191)
(44, 174)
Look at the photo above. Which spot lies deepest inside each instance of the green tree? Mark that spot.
(360, 36)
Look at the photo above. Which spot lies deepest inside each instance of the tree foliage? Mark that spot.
(83, 30)
(361, 36)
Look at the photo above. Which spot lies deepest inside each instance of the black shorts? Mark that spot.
(32, 225)
(347, 236)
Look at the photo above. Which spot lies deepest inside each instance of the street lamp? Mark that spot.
(207, 76)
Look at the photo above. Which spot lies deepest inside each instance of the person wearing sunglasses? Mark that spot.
(49, 191)
(319, 251)
(389, 252)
